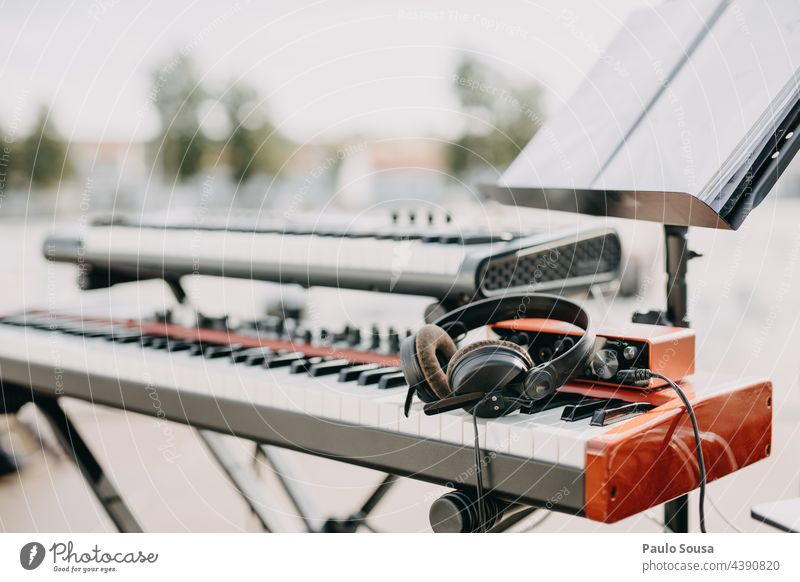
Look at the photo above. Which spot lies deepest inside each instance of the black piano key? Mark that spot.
(196, 349)
(281, 360)
(624, 411)
(352, 373)
(329, 367)
(176, 345)
(251, 356)
(70, 329)
(125, 337)
(392, 381)
(374, 376)
(210, 350)
(158, 343)
(213, 352)
(557, 400)
(146, 340)
(305, 364)
(583, 409)
(94, 330)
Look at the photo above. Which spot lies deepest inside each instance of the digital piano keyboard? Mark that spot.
(341, 395)
(368, 253)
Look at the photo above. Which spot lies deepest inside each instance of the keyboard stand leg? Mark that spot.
(676, 515)
(92, 472)
(305, 508)
(246, 483)
(353, 522)
(513, 517)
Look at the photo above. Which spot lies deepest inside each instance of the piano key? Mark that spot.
(304, 365)
(278, 361)
(352, 373)
(623, 411)
(410, 424)
(521, 439)
(251, 355)
(176, 345)
(374, 376)
(430, 426)
(392, 381)
(158, 343)
(498, 434)
(221, 351)
(329, 367)
(389, 415)
(468, 436)
(452, 426)
(125, 336)
(583, 409)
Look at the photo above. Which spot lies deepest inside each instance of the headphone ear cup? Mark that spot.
(434, 350)
(492, 368)
(480, 345)
(540, 383)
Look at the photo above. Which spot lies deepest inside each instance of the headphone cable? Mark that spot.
(479, 472)
(640, 375)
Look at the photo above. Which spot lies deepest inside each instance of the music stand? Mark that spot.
(688, 119)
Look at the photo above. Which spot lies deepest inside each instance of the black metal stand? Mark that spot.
(249, 488)
(359, 518)
(677, 255)
(104, 490)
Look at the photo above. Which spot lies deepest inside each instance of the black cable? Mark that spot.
(479, 474)
(639, 375)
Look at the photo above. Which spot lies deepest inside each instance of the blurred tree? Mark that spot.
(501, 119)
(253, 144)
(177, 95)
(41, 158)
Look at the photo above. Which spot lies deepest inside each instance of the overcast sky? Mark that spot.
(325, 68)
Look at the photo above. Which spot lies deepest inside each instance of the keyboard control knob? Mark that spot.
(354, 337)
(394, 341)
(375, 338)
(604, 364)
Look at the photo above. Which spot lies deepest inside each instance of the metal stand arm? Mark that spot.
(92, 472)
(677, 254)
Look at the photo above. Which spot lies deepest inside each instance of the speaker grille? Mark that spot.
(597, 257)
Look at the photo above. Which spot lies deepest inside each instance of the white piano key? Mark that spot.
(390, 413)
(545, 445)
(468, 435)
(350, 408)
(521, 439)
(410, 424)
(430, 426)
(332, 405)
(453, 426)
(498, 431)
(313, 403)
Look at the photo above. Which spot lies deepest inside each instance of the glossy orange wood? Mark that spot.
(650, 459)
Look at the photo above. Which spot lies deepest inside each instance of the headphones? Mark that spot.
(490, 378)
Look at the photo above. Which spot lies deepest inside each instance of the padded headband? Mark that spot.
(488, 311)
